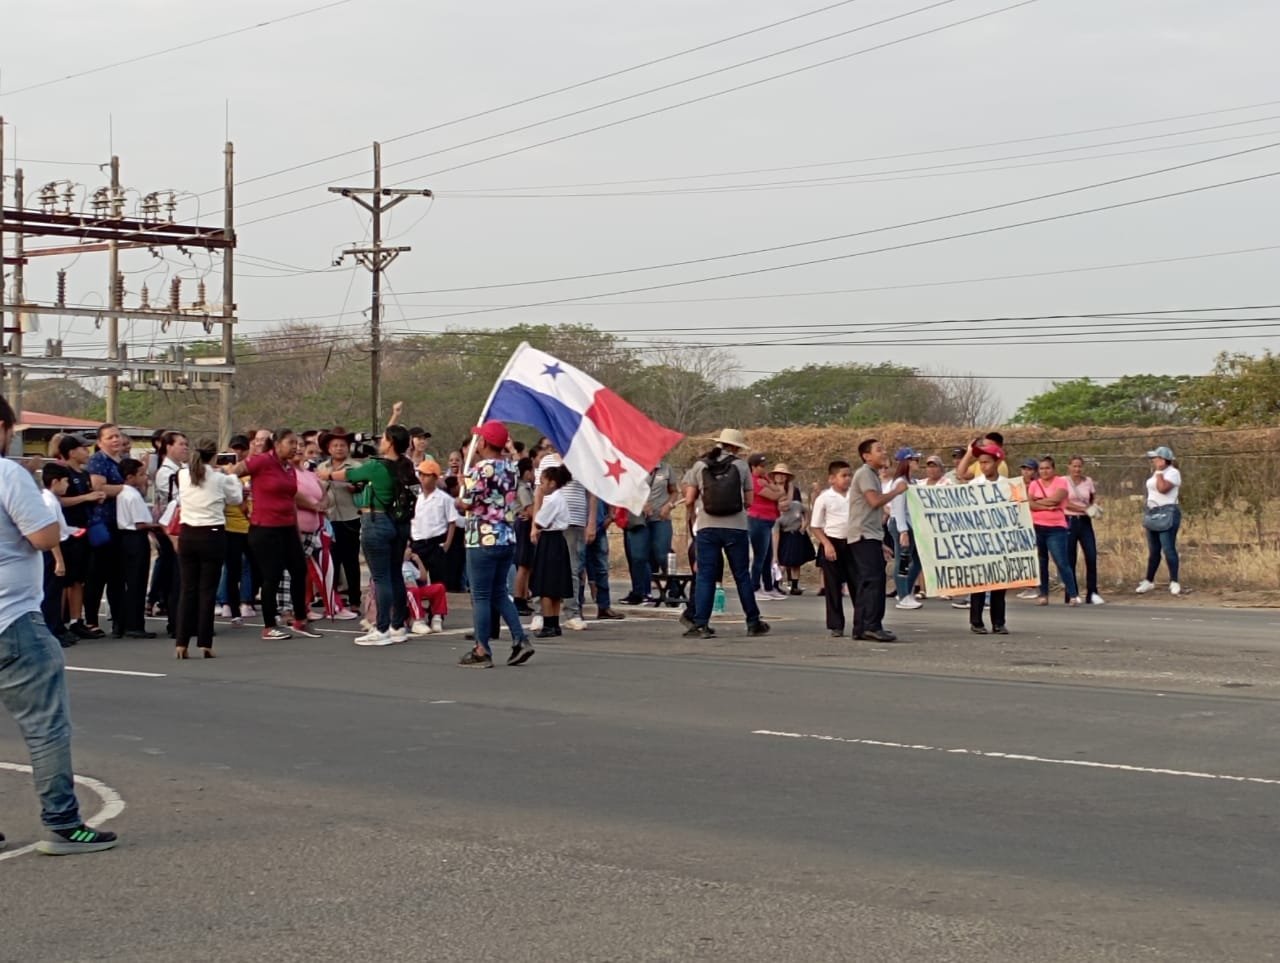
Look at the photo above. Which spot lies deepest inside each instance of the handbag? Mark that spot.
(171, 519)
(1159, 518)
(99, 533)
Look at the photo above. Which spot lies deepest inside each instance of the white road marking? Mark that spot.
(1020, 757)
(112, 805)
(141, 675)
(442, 702)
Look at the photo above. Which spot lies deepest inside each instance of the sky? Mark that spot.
(893, 128)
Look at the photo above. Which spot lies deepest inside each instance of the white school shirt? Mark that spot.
(433, 515)
(553, 516)
(51, 502)
(831, 514)
(131, 510)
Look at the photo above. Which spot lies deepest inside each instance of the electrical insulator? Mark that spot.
(146, 298)
(101, 201)
(151, 207)
(117, 204)
(171, 205)
(49, 197)
(68, 197)
(119, 290)
(175, 294)
(62, 288)
(200, 295)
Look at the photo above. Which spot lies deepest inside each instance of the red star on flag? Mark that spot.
(614, 469)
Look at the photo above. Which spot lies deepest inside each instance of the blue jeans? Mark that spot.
(383, 540)
(1166, 542)
(713, 546)
(905, 584)
(487, 571)
(1053, 541)
(649, 546)
(1080, 536)
(33, 688)
(595, 559)
(761, 534)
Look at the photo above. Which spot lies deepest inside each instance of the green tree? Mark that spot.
(846, 394)
(1241, 390)
(1142, 399)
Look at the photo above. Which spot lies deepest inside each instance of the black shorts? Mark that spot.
(75, 556)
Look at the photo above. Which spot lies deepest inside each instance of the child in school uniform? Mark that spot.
(56, 479)
(134, 520)
(830, 524)
(428, 603)
(552, 577)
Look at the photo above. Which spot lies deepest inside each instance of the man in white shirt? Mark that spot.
(830, 523)
(435, 521)
(134, 521)
(32, 681)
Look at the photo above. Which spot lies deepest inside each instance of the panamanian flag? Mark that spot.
(606, 443)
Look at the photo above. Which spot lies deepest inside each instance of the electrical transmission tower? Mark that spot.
(106, 228)
(376, 258)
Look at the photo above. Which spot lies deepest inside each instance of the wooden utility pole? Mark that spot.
(19, 295)
(226, 386)
(376, 258)
(113, 296)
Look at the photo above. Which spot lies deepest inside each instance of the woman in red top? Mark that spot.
(273, 531)
(762, 515)
(1048, 496)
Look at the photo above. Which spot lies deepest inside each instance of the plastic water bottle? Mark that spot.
(718, 607)
(671, 563)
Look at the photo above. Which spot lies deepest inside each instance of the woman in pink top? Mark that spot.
(1082, 501)
(762, 515)
(1048, 498)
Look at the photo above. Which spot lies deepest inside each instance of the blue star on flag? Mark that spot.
(552, 369)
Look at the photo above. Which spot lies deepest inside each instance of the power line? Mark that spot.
(852, 234)
(644, 114)
(174, 49)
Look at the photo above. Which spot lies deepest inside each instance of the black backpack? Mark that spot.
(404, 501)
(721, 486)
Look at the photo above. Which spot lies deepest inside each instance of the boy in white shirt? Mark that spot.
(133, 519)
(830, 523)
(56, 479)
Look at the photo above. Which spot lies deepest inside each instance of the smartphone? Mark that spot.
(225, 458)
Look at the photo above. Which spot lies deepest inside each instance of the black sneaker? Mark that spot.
(978, 629)
(700, 632)
(758, 628)
(78, 628)
(78, 839)
(67, 640)
(609, 615)
(797, 590)
(523, 607)
(835, 633)
(878, 635)
(1, 840)
(476, 660)
(520, 654)
(549, 632)
(999, 630)
(630, 600)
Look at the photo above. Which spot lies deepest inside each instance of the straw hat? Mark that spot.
(781, 469)
(732, 437)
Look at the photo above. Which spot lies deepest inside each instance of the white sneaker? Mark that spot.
(576, 624)
(910, 602)
(224, 611)
(246, 611)
(399, 634)
(1175, 588)
(420, 627)
(437, 623)
(345, 615)
(1029, 594)
(535, 624)
(779, 596)
(765, 597)
(1096, 599)
(1144, 587)
(366, 625)
(1077, 600)
(315, 615)
(374, 638)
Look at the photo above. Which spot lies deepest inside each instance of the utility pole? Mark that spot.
(226, 386)
(113, 296)
(19, 295)
(376, 258)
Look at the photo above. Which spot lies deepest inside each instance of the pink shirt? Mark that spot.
(1080, 497)
(1051, 518)
(310, 486)
(765, 509)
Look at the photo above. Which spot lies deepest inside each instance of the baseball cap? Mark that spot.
(989, 448)
(903, 454)
(418, 432)
(1031, 463)
(70, 443)
(958, 452)
(429, 466)
(494, 433)
(757, 459)
(1164, 451)
(935, 460)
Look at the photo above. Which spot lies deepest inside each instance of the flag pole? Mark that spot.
(471, 448)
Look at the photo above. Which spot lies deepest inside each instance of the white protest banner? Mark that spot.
(973, 538)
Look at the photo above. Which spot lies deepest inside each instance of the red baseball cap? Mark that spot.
(493, 433)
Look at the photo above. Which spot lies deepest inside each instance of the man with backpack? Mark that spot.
(718, 488)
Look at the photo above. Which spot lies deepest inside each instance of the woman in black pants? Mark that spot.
(203, 495)
(273, 531)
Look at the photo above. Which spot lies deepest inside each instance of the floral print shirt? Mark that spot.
(489, 492)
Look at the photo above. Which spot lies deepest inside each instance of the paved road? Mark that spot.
(629, 795)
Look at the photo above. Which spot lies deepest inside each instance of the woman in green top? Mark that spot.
(383, 535)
